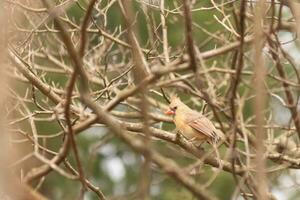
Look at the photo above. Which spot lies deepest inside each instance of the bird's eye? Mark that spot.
(175, 107)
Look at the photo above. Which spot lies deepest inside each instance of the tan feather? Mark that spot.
(203, 125)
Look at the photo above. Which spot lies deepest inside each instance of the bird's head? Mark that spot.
(175, 105)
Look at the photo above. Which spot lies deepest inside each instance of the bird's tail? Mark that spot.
(217, 137)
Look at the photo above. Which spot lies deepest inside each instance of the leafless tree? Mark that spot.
(230, 59)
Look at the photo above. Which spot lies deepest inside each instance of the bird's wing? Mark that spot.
(203, 125)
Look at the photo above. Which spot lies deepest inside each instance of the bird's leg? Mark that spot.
(177, 136)
(198, 145)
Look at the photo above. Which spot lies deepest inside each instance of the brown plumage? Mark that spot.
(192, 124)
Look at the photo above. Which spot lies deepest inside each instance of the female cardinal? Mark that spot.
(192, 125)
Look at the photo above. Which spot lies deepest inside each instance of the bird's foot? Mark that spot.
(177, 136)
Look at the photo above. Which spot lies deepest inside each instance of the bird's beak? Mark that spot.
(170, 112)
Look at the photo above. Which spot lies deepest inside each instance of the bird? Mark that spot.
(194, 126)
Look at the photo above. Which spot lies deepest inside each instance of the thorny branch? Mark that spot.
(96, 72)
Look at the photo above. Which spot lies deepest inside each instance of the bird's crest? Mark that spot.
(174, 97)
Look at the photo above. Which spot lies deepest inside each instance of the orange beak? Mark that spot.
(170, 112)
